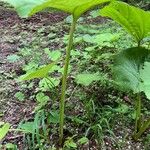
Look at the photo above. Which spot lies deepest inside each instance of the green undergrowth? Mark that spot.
(96, 112)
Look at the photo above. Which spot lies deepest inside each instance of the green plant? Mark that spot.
(137, 26)
(76, 8)
(134, 20)
(37, 129)
(13, 58)
(9, 146)
(4, 130)
(87, 78)
(42, 100)
(131, 68)
(20, 96)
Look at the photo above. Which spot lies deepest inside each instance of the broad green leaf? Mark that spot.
(40, 73)
(75, 7)
(131, 70)
(87, 78)
(4, 130)
(101, 38)
(136, 21)
(145, 77)
(127, 66)
(53, 55)
(28, 127)
(24, 7)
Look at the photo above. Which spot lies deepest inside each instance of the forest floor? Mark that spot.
(17, 34)
(12, 110)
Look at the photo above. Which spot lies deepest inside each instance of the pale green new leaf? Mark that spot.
(4, 130)
(75, 7)
(127, 66)
(87, 78)
(135, 20)
(40, 73)
(24, 7)
(145, 77)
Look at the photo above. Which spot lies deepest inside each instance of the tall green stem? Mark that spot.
(64, 81)
(140, 126)
(138, 114)
(143, 128)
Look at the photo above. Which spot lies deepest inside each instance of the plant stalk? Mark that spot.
(138, 114)
(64, 82)
(143, 128)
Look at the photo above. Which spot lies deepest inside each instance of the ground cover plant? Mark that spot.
(84, 78)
